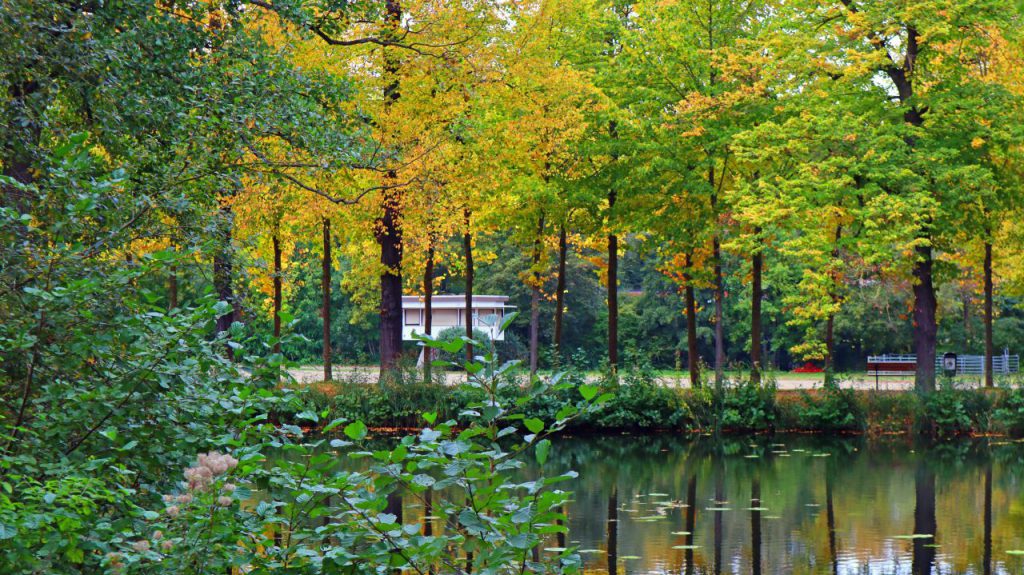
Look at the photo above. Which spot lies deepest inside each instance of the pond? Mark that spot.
(801, 505)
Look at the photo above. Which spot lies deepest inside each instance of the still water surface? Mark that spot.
(798, 505)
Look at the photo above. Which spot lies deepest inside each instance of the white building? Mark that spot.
(450, 311)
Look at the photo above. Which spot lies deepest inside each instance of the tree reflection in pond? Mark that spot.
(816, 505)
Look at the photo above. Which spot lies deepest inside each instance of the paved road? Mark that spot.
(368, 374)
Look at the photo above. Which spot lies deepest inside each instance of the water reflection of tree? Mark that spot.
(924, 520)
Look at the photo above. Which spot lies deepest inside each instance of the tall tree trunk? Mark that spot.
(467, 250)
(613, 290)
(389, 231)
(563, 248)
(428, 311)
(925, 328)
(923, 556)
(277, 293)
(326, 264)
(755, 318)
(989, 349)
(535, 299)
(222, 271)
(693, 359)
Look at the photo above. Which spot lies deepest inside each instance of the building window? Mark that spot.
(412, 317)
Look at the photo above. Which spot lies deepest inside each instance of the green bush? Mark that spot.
(747, 407)
(891, 411)
(1008, 415)
(833, 409)
(951, 412)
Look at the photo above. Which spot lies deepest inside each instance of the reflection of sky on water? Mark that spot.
(881, 491)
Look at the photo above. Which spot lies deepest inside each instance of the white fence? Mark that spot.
(903, 364)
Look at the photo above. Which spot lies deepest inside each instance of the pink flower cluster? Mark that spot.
(208, 466)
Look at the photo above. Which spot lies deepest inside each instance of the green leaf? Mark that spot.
(588, 391)
(356, 430)
(534, 425)
(430, 417)
(334, 424)
(543, 447)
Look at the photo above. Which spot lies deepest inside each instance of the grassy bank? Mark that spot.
(640, 404)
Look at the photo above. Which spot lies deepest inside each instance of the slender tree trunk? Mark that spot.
(535, 299)
(755, 318)
(989, 348)
(325, 303)
(389, 231)
(563, 248)
(719, 288)
(222, 271)
(277, 293)
(693, 359)
(613, 290)
(925, 328)
(428, 312)
(467, 250)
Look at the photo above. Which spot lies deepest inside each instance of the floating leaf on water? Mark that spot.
(812, 505)
(555, 549)
(756, 509)
(657, 494)
(1015, 552)
(914, 536)
(686, 546)
(626, 557)
(821, 455)
(752, 456)
(680, 533)
(798, 450)
(588, 551)
(718, 509)
(771, 517)
(651, 518)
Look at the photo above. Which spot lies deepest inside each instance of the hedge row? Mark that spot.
(641, 405)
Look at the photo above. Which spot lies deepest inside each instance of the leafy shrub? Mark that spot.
(1009, 412)
(832, 409)
(950, 412)
(747, 407)
(640, 404)
(891, 411)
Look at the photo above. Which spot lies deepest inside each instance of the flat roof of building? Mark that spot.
(456, 301)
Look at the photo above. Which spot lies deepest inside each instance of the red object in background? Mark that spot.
(808, 368)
